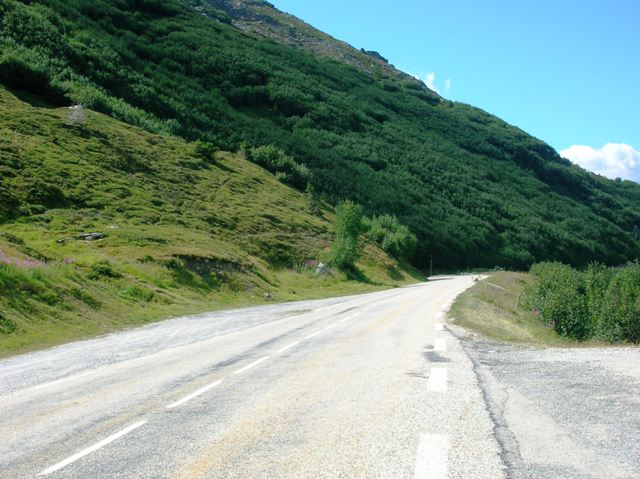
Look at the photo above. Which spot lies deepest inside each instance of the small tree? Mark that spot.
(346, 248)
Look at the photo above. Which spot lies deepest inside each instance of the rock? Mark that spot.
(322, 270)
(92, 236)
(60, 242)
(267, 295)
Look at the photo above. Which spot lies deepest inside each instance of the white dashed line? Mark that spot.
(313, 335)
(440, 344)
(249, 366)
(288, 346)
(194, 394)
(63, 380)
(431, 457)
(438, 327)
(91, 449)
(327, 328)
(437, 381)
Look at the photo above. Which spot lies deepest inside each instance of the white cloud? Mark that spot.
(430, 81)
(613, 160)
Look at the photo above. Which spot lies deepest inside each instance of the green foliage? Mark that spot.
(392, 236)
(205, 150)
(474, 190)
(281, 165)
(184, 234)
(103, 269)
(597, 303)
(346, 249)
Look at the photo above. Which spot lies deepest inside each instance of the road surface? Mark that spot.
(364, 386)
(371, 386)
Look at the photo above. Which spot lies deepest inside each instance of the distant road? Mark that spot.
(368, 386)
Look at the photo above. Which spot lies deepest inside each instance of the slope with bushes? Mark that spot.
(173, 227)
(474, 190)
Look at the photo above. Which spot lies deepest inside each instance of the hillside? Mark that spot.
(185, 230)
(475, 190)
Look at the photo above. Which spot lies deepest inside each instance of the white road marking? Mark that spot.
(288, 346)
(89, 450)
(432, 457)
(313, 334)
(330, 326)
(440, 344)
(194, 394)
(438, 327)
(249, 366)
(437, 381)
(63, 380)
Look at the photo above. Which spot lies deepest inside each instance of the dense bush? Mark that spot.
(392, 236)
(103, 269)
(279, 163)
(346, 248)
(597, 303)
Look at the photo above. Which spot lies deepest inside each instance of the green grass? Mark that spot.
(494, 308)
(475, 191)
(184, 233)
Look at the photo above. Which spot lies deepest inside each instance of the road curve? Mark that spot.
(364, 386)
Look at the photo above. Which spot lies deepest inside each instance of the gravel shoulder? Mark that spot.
(561, 412)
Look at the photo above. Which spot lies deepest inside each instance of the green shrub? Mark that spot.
(392, 236)
(597, 303)
(284, 167)
(103, 270)
(346, 248)
(6, 325)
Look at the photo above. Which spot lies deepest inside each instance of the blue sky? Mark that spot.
(566, 71)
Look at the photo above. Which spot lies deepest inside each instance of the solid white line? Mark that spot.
(249, 366)
(431, 457)
(440, 344)
(91, 449)
(63, 380)
(313, 334)
(438, 327)
(437, 381)
(194, 394)
(289, 346)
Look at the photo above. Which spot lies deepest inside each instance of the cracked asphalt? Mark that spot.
(562, 412)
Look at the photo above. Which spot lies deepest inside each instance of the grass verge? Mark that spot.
(494, 308)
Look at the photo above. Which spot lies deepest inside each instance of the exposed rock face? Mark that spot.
(262, 19)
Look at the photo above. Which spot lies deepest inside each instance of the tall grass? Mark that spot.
(598, 303)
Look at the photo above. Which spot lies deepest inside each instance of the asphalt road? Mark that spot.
(365, 386)
(370, 386)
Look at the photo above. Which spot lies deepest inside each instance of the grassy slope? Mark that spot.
(184, 233)
(475, 191)
(498, 313)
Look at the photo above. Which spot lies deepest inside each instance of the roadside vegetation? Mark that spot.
(105, 226)
(495, 308)
(475, 191)
(597, 303)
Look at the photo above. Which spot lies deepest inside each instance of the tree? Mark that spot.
(349, 225)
